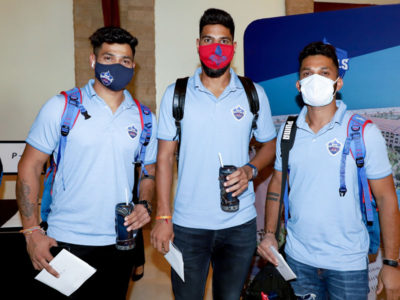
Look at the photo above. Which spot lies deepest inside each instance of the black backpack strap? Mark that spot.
(252, 97)
(178, 107)
(287, 141)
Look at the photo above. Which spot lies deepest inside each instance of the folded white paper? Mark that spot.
(283, 267)
(73, 273)
(174, 257)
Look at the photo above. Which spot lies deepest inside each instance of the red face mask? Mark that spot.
(216, 56)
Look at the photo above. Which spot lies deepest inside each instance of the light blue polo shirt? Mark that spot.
(211, 125)
(326, 230)
(97, 168)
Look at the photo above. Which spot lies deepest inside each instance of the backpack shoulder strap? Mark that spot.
(287, 142)
(355, 133)
(178, 108)
(252, 97)
(144, 140)
(147, 124)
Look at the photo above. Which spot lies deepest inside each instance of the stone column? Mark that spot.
(294, 7)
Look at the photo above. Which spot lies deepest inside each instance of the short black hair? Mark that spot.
(319, 48)
(111, 35)
(214, 16)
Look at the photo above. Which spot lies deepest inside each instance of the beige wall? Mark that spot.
(37, 61)
(177, 26)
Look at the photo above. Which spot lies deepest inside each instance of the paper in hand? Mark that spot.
(283, 267)
(73, 273)
(174, 257)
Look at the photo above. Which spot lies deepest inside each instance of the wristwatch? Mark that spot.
(390, 262)
(254, 169)
(147, 205)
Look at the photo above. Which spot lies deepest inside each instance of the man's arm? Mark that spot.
(140, 216)
(238, 181)
(389, 219)
(163, 231)
(30, 167)
(271, 218)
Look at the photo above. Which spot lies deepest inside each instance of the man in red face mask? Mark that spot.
(217, 120)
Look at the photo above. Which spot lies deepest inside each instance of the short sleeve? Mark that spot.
(377, 163)
(45, 131)
(265, 127)
(151, 150)
(166, 121)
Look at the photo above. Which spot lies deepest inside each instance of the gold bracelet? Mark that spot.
(163, 217)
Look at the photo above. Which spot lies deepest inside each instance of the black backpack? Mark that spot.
(178, 104)
(270, 282)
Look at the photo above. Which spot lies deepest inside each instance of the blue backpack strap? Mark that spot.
(355, 145)
(73, 106)
(355, 131)
(146, 122)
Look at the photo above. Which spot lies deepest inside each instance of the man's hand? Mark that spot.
(161, 235)
(138, 218)
(238, 181)
(38, 246)
(389, 278)
(264, 250)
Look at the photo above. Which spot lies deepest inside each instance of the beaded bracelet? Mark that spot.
(32, 229)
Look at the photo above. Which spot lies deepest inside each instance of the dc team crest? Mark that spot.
(132, 131)
(106, 78)
(238, 112)
(334, 147)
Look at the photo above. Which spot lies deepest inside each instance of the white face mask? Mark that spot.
(317, 90)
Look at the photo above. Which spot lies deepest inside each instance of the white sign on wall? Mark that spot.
(10, 153)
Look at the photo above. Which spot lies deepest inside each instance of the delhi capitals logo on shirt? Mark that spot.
(217, 57)
(106, 78)
(334, 147)
(238, 112)
(132, 131)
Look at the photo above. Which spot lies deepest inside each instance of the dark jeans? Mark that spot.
(110, 281)
(319, 284)
(230, 252)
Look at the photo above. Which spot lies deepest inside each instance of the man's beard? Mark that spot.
(214, 73)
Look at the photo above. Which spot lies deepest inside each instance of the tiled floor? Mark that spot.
(156, 283)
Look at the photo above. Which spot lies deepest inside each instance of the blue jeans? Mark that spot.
(230, 252)
(328, 284)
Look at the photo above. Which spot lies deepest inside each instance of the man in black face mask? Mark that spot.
(96, 172)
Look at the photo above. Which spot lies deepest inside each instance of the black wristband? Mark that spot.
(147, 205)
(390, 262)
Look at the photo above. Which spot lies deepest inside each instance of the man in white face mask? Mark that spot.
(327, 241)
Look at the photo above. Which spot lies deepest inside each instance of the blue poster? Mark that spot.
(368, 47)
